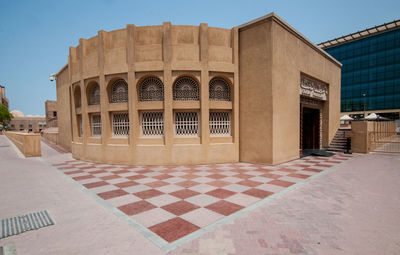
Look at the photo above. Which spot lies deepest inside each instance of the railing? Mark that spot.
(387, 142)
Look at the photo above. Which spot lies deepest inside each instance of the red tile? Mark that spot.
(156, 184)
(189, 176)
(184, 193)
(249, 183)
(74, 172)
(97, 172)
(324, 165)
(120, 171)
(301, 165)
(190, 171)
(281, 183)
(224, 207)
(126, 184)
(258, 193)
(264, 170)
(288, 170)
(173, 229)
(271, 176)
(180, 207)
(86, 167)
(95, 184)
(220, 193)
(110, 177)
(112, 194)
(145, 171)
(243, 176)
(84, 177)
(216, 176)
(136, 207)
(219, 184)
(163, 176)
(136, 177)
(312, 170)
(303, 176)
(148, 194)
(187, 184)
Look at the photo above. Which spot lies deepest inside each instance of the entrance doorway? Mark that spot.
(310, 130)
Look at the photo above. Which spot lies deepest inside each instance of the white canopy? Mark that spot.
(372, 116)
(346, 117)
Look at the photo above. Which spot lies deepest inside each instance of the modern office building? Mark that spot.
(371, 70)
(174, 94)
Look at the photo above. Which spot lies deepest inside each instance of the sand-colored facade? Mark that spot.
(185, 88)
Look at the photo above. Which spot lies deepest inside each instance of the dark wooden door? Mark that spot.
(310, 132)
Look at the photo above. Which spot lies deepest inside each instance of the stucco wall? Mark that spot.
(64, 109)
(132, 54)
(272, 59)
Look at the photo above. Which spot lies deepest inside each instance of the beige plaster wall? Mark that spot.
(27, 143)
(272, 58)
(64, 109)
(134, 53)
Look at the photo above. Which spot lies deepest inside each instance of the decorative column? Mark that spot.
(168, 100)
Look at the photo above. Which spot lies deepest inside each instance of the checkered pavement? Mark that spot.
(174, 201)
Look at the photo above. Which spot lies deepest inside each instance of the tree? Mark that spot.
(5, 115)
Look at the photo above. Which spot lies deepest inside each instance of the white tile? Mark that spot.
(169, 188)
(291, 179)
(174, 180)
(89, 180)
(201, 217)
(260, 179)
(237, 188)
(163, 200)
(254, 173)
(248, 167)
(126, 174)
(136, 188)
(153, 217)
(202, 200)
(242, 199)
(145, 180)
(177, 173)
(231, 179)
(118, 180)
(202, 179)
(270, 187)
(102, 189)
(123, 200)
(203, 188)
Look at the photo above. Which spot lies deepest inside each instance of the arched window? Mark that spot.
(151, 89)
(94, 95)
(186, 88)
(119, 92)
(77, 97)
(219, 90)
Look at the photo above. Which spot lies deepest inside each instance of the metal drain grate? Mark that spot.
(27, 222)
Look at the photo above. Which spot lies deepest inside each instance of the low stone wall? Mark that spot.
(51, 136)
(27, 143)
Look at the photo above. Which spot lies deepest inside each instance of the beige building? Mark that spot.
(174, 94)
(28, 123)
(51, 113)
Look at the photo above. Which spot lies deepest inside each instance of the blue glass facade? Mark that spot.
(370, 72)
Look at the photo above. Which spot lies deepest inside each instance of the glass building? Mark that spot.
(371, 70)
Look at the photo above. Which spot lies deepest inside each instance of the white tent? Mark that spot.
(371, 116)
(346, 117)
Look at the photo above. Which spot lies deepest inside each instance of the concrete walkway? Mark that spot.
(350, 209)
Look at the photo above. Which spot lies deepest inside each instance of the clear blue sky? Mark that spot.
(35, 35)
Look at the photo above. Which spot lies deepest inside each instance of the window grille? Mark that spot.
(152, 123)
(119, 92)
(94, 95)
(78, 99)
(186, 123)
(120, 124)
(80, 128)
(220, 123)
(96, 125)
(186, 88)
(219, 90)
(151, 89)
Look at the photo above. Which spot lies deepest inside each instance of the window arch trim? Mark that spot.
(219, 89)
(151, 88)
(186, 88)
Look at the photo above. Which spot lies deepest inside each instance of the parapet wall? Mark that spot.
(27, 143)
